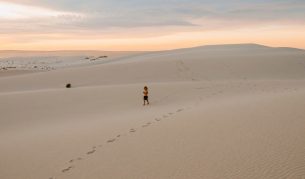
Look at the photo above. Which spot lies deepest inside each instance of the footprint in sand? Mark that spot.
(147, 124)
(132, 130)
(118, 136)
(170, 113)
(179, 110)
(110, 140)
(165, 116)
(74, 160)
(157, 119)
(67, 169)
(91, 152)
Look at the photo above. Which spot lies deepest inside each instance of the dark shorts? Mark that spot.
(145, 97)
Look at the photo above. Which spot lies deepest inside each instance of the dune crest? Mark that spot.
(225, 111)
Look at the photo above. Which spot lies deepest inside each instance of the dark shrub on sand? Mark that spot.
(68, 85)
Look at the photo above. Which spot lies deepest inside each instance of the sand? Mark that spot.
(231, 111)
(8, 73)
(21, 62)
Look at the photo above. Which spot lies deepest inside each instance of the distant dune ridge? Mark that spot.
(219, 111)
(235, 62)
(37, 61)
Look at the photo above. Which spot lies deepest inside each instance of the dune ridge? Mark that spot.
(229, 111)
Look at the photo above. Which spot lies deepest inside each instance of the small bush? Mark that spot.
(68, 85)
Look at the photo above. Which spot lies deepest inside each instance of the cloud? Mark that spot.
(275, 11)
(123, 18)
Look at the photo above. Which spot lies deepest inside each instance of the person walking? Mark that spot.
(145, 93)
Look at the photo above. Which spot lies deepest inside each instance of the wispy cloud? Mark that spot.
(11, 11)
(101, 14)
(143, 17)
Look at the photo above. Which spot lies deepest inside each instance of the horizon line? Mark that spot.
(100, 50)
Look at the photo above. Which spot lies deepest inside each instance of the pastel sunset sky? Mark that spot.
(148, 24)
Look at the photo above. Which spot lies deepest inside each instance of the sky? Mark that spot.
(141, 25)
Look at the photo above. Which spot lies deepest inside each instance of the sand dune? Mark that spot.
(230, 111)
(14, 63)
(235, 62)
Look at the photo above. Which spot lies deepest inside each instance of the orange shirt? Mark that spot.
(145, 92)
